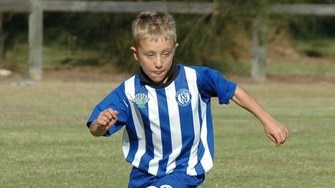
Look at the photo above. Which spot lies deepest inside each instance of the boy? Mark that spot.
(165, 110)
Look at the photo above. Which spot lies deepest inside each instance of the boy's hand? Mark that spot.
(107, 118)
(277, 132)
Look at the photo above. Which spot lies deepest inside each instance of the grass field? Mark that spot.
(44, 141)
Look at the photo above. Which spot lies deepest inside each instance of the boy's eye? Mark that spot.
(149, 55)
(152, 55)
(166, 53)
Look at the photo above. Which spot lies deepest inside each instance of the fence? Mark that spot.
(35, 8)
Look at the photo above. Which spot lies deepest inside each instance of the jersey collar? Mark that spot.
(171, 75)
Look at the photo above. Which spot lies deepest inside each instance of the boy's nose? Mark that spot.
(158, 63)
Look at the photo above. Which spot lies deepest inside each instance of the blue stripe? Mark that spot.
(210, 131)
(201, 150)
(165, 130)
(133, 141)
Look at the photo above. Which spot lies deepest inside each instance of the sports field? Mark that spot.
(44, 141)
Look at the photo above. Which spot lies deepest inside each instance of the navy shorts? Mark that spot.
(141, 179)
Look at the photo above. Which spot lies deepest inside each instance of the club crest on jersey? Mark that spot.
(141, 99)
(183, 97)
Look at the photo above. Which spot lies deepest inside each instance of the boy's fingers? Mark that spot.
(273, 139)
(107, 117)
(278, 136)
(111, 113)
(102, 122)
(281, 139)
(107, 113)
(104, 118)
(283, 135)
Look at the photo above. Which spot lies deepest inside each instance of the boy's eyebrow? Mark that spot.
(164, 50)
(167, 49)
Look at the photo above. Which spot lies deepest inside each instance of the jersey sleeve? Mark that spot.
(212, 83)
(117, 101)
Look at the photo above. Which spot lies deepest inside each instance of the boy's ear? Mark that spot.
(134, 51)
(176, 45)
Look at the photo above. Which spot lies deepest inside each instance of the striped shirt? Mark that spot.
(168, 129)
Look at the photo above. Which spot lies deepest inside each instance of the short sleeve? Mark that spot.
(212, 83)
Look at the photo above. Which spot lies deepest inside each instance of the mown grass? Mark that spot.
(44, 141)
(306, 160)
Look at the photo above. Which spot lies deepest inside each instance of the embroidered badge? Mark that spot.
(141, 99)
(183, 97)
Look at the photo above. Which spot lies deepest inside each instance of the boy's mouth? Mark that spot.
(158, 73)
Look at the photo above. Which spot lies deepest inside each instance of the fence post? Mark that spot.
(2, 41)
(259, 45)
(35, 40)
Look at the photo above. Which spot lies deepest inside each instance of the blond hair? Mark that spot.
(155, 25)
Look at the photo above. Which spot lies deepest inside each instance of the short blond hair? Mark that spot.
(155, 25)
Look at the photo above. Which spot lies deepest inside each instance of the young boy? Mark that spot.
(165, 110)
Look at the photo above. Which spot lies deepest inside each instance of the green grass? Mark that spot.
(44, 141)
(302, 68)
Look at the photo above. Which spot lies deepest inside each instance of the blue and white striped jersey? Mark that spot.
(168, 129)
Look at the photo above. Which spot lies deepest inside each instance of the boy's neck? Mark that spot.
(170, 76)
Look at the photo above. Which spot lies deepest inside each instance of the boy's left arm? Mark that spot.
(277, 132)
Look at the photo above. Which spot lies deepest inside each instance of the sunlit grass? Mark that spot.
(44, 141)
(302, 67)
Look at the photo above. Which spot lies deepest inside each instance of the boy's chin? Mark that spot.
(163, 80)
(158, 80)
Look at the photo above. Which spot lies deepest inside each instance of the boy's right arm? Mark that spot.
(105, 120)
(277, 132)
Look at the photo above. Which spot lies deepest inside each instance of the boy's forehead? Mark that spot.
(152, 42)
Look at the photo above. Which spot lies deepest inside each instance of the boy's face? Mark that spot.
(155, 57)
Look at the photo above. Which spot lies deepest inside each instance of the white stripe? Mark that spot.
(125, 139)
(153, 114)
(207, 160)
(125, 143)
(192, 84)
(130, 93)
(175, 128)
